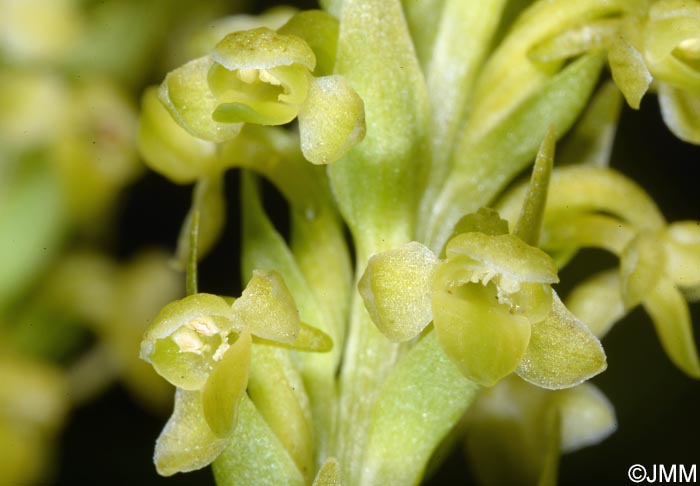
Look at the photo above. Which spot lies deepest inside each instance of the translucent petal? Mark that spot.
(186, 94)
(529, 224)
(587, 416)
(562, 352)
(505, 255)
(642, 264)
(573, 42)
(331, 121)
(168, 148)
(262, 48)
(397, 287)
(267, 309)
(186, 443)
(183, 340)
(679, 110)
(478, 334)
(328, 474)
(682, 241)
(597, 302)
(671, 318)
(226, 386)
(629, 71)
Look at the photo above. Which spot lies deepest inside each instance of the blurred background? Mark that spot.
(87, 233)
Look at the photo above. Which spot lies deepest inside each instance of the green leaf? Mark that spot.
(397, 290)
(529, 224)
(679, 110)
(186, 443)
(597, 302)
(186, 94)
(484, 166)
(562, 352)
(320, 31)
(267, 309)
(226, 386)
(379, 180)
(671, 317)
(331, 121)
(481, 336)
(629, 71)
(254, 455)
(422, 399)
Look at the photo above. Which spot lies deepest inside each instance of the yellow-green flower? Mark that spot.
(202, 345)
(265, 77)
(492, 306)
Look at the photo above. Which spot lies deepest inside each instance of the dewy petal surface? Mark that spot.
(397, 290)
(562, 352)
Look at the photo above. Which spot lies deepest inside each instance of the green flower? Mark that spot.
(656, 46)
(659, 262)
(492, 306)
(264, 77)
(202, 345)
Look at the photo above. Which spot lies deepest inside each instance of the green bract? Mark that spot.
(264, 77)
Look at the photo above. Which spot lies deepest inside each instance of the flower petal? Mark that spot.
(267, 309)
(182, 341)
(671, 318)
(642, 263)
(629, 71)
(682, 241)
(186, 443)
(505, 255)
(478, 334)
(597, 302)
(562, 352)
(332, 120)
(168, 148)
(186, 94)
(397, 287)
(328, 474)
(587, 416)
(679, 110)
(226, 385)
(262, 48)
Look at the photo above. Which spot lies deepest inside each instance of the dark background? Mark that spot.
(110, 441)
